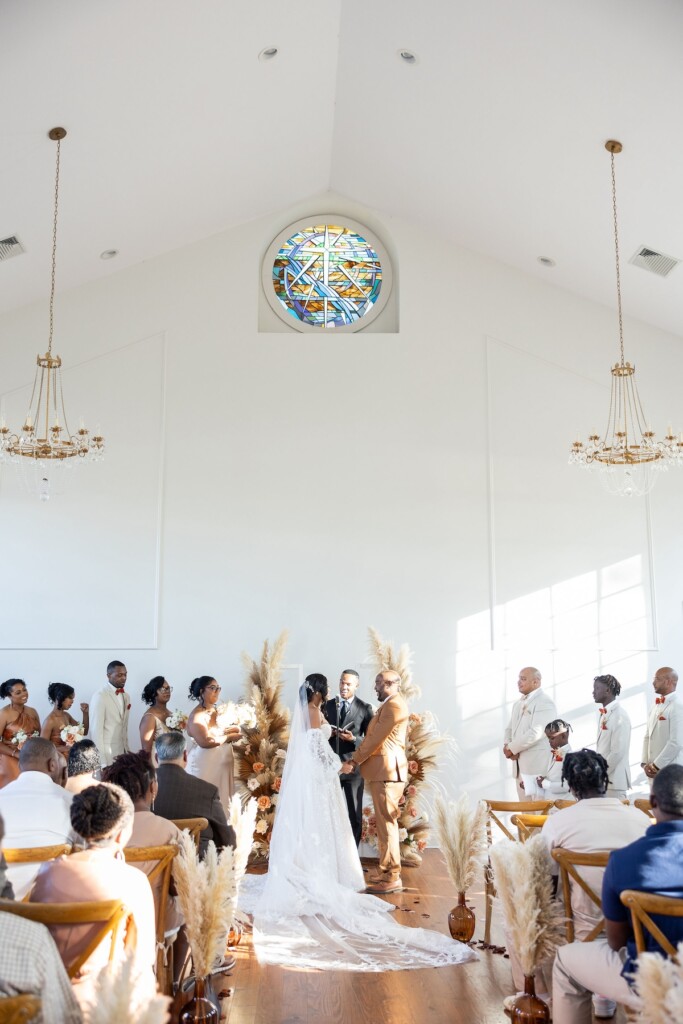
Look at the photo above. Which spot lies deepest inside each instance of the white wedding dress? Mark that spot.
(309, 910)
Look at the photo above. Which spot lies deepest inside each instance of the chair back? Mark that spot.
(195, 826)
(494, 808)
(161, 858)
(645, 806)
(108, 914)
(561, 804)
(642, 905)
(569, 861)
(20, 1009)
(35, 854)
(528, 824)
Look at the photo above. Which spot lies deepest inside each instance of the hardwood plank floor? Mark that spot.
(462, 994)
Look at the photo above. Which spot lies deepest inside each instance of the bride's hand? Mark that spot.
(232, 733)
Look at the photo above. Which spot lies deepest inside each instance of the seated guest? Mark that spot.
(83, 764)
(102, 816)
(551, 782)
(653, 863)
(185, 796)
(135, 774)
(31, 965)
(35, 807)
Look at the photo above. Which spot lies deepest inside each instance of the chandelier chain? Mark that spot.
(616, 253)
(54, 249)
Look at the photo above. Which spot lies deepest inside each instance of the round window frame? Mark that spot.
(302, 224)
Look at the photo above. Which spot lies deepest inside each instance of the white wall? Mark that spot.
(330, 483)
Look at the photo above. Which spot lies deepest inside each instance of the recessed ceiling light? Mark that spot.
(109, 254)
(407, 56)
(546, 261)
(268, 53)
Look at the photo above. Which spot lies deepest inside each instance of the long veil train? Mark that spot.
(309, 910)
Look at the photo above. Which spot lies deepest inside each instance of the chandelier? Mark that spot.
(45, 440)
(628, 456)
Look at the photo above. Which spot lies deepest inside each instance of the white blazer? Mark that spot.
(109, 722)
(552, 785)
(525, 733)
(614, 743)
(663, 743)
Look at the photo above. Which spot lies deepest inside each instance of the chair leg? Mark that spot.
(489, 893)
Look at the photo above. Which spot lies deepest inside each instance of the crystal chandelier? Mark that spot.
(45, 440)
(628, 455)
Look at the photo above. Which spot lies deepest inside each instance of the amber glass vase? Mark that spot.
(461, 920)
(234, 935)
(528, 1007)
(201, 1009)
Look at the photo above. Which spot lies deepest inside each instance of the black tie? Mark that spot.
(342, 713)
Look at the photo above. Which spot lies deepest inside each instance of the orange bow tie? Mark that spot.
(120, 690)
(603, 711)
(660, 700)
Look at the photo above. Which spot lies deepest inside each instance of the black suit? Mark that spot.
(185, 796)
(356, 721)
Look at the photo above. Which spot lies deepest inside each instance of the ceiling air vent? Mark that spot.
(656, 262)
(10, 247)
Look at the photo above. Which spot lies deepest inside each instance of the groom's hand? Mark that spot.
(347, 768)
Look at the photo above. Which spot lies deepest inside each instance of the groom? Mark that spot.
(383, 765)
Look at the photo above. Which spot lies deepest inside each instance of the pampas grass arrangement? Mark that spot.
(659, 985)
(534, 919)
(461, 832)
(121, 993)
(260, 754)
(425, 748)
(207, 896)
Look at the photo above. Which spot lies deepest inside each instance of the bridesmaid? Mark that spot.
(156, 694)
(14, 716)
(62, 696)
(210, 758)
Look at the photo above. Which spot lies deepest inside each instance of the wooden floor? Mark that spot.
(466, 994)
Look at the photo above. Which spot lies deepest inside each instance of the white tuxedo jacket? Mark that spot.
(663, 743)
(614, 743)
(553, 787)
(109, 722)
(525, 734)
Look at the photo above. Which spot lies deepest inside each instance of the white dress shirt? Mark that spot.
(663, 743)
(37, 812)
(525, 733)
(614, 743)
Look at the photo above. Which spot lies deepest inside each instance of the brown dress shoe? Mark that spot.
(383, 888)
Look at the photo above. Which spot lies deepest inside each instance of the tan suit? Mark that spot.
(384, 766)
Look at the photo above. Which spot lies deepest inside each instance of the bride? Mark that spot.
(311, 911)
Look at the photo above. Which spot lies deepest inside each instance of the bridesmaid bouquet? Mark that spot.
(21, 738)
(243, 715)
(177, 720)
(71, 733)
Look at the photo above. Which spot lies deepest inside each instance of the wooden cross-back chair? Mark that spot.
(195, 826)
(163, 857)
(110, 915)
(644, 904)
(645, 806)
(494, 808)
(35, 854)
(569, 861)
(23, 1009)
(528, 824)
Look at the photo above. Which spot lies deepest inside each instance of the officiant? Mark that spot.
(349, 717)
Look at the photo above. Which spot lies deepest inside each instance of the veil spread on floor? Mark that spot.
(309, 910)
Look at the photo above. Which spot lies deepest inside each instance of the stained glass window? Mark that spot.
(326, 275)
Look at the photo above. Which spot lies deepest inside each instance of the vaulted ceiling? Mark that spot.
(493, 137)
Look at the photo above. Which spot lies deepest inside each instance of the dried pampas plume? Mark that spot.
(207, 895)
(385, 657)
(461, 831)
(122, 993)
(524, 884)
(659, 984)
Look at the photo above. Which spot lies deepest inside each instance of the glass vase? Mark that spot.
(234, 935)
(201, 1009)
(528, 1007)
(461, 920)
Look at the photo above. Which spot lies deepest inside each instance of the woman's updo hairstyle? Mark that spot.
(315, 683)
(198, 685)
(134, 773)
(149, 694)
(585, 771)
(6, 687)
(57, 693)
(612, 684)
(100, 812)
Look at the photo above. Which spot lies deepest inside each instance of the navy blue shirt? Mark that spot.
(651, 864)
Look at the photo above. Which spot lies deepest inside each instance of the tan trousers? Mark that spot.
(582, 968)
(385, 798)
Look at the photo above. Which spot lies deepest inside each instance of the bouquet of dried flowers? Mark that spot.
(177, 720)
(71, 733)
(20, 738)
(207, 896)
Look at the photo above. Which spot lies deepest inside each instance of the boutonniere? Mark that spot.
(558, 757)
(604, 725)
(127, 707)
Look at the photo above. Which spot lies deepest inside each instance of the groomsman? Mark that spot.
(109, 709)
(349, 717)
(526, 743)
(663, 743)
(614, 735)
